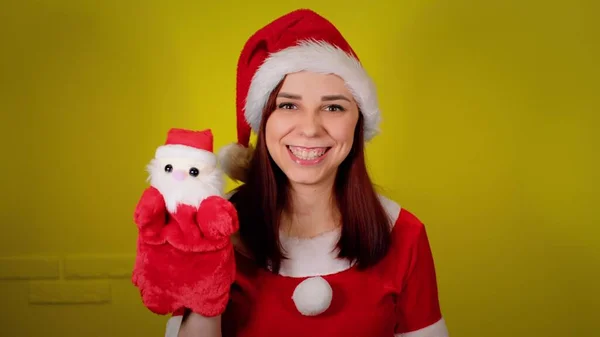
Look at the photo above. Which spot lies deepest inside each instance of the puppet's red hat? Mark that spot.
(183, 143)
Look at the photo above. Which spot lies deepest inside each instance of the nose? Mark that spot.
(179, 175)
(310, 125)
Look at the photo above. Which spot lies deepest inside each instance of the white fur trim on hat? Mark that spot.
(184, 151)
(315, 56)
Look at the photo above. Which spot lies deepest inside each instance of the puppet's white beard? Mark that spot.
(191, 191)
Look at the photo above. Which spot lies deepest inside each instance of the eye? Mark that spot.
(168, 168)
(194, 172)
(286, 106)
(335, 108)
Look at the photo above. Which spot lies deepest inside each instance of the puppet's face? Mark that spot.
(186, 181)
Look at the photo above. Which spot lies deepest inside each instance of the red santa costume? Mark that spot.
(315, 293)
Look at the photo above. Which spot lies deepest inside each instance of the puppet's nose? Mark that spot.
(179, 175)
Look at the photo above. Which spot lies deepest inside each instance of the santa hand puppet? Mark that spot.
(184, 252)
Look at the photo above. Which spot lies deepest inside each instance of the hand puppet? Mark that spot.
(184, 256)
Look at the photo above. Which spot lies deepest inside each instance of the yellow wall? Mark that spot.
(491, 117)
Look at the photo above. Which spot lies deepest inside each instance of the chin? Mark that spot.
(307, 175)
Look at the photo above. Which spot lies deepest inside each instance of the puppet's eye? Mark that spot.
(194, 172)
(168, 168)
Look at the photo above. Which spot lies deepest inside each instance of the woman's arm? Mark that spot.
(194, 325)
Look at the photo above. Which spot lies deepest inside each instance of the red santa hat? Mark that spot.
(298, 41)
(191, 144)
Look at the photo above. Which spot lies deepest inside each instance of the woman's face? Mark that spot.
(311, 130)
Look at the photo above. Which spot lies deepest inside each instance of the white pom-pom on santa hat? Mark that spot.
(313, 296)
(235, 160)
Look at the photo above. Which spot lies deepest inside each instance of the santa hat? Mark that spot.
(182, 143)
(298, 41)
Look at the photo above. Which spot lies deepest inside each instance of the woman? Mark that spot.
(319, 252)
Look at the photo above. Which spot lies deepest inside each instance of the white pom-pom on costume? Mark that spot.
(235, 160)
(313, 296)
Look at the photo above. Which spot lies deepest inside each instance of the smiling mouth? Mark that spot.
(305, 153)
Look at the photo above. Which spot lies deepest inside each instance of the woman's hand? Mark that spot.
(195, 325)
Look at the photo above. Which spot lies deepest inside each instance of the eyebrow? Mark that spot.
(334, 98)
(290, 96)
(323, 98)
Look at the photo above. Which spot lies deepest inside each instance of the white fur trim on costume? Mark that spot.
(437, 329)
(312, 296)
(317, 256)
(315, 56)
(391, 208)
(313, 256)
(183, 151)
(173, 326)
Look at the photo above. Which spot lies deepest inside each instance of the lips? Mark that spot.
(308, 153)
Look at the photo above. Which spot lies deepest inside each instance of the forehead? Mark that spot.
(310, 83)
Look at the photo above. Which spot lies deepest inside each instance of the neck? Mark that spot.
(311, 211)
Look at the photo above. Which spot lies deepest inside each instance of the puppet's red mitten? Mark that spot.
(217, 218)
(150, 216)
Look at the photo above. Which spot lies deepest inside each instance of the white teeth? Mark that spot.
(307, 154)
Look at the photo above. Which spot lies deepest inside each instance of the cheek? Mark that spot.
(273, 134)
(275, 129)
(342, 130)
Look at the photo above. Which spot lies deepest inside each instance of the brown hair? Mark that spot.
(261, 199)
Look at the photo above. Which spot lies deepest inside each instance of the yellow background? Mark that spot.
(490, 136)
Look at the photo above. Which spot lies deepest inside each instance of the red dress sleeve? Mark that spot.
(417, 307)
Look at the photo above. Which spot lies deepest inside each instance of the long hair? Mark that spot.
(260, 201)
